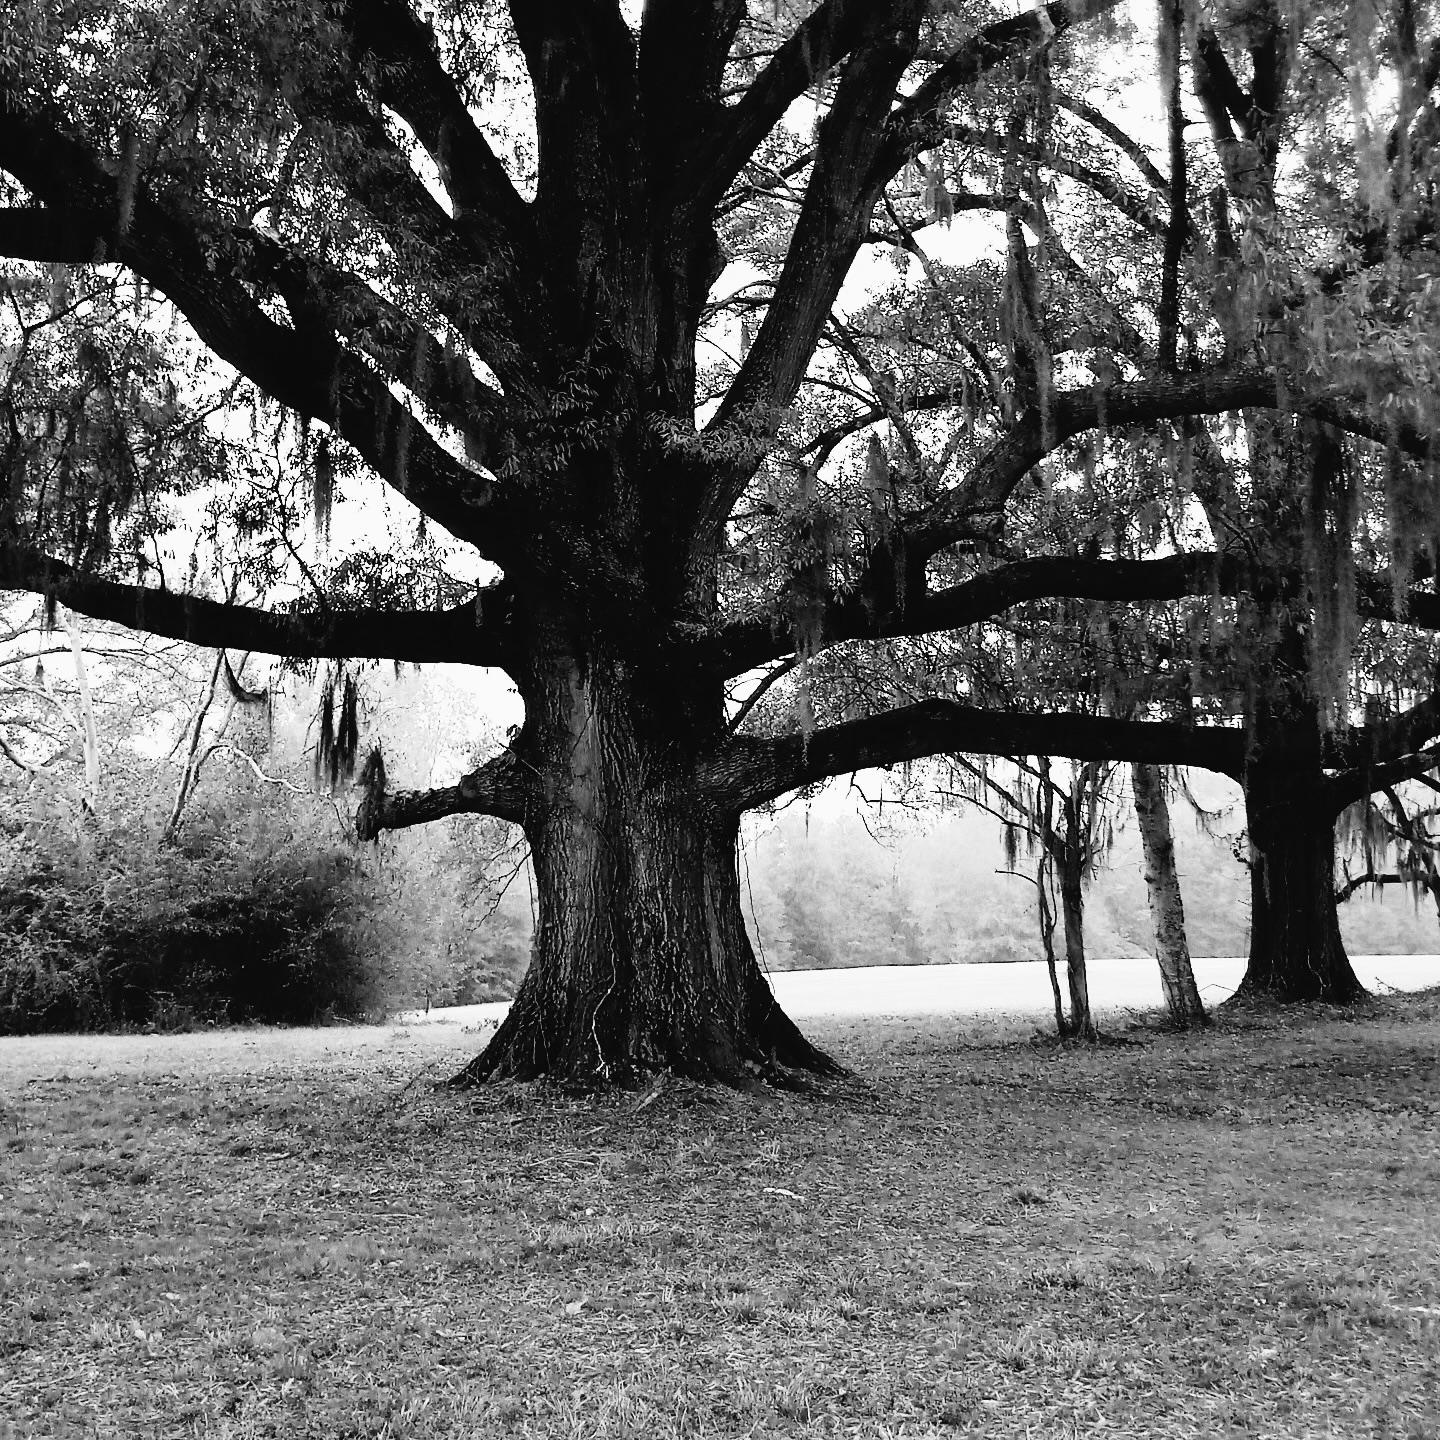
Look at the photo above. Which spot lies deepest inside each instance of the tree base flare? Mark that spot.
(1273, 987)
(531, 1045)
(1296, 950)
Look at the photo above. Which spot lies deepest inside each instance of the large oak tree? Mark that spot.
(507, 335)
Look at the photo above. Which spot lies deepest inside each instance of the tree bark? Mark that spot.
(1296, 952)
(1072, 908)
(1167, 907)
(641, 961)
(1047, 937)
(89, 736)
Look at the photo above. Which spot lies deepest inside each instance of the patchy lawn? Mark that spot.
(267, 1234)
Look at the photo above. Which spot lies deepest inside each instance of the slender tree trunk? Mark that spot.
(1047, 938)
(1167, 907)
(641, 961)
(194, 758)
(89, 736)
(1296, 952)
(1072, 908)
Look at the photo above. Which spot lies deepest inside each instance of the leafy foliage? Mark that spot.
(107, 930)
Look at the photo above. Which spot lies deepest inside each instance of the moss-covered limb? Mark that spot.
(749, 770)
(409, 635)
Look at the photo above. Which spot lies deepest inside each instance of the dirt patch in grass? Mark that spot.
(270, 1233)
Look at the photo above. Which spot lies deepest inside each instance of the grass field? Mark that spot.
(261, 1233)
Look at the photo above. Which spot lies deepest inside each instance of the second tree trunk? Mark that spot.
(1296, 952)
(1167, 907)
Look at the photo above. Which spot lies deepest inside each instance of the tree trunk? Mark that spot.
(641, 962)
(1167, 907)
(1296, 952)
(1047, 938)
(89, 737)
(1072, 907)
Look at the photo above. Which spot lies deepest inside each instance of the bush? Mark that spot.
(102, 928)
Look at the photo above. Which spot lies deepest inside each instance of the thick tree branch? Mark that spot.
(582, 63)
(404, 349)
(985, 490)
(976, 506)
(1172, 24)
(1369, 747)
(1376, 879)
(1348, 413)
(346, 304)
(488, 297)
(834, 220)
(746, 771)
(305, 368)
(684, 46)
(1216, 87)
(502, 787)
(866, 616)
(42, 235)
(919, 121)
(1375, 600)
(983, 493)
(863, 142)
(1352, 785)
(826, 37)
(413, 83)
(479, 632)
(1224, 103)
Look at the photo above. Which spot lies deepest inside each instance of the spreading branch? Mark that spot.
(490, 298)
(834, 220)
(304, 368)
(826, 37)
(581, 59)
(412, 81)
(988, 486)
(502, 787)
(918, 123)
(684, 47)
(333, 298)
(748, 771)
(865, 616)
(1375, 600)
(477, 632)
(1373, 878)
(1355, 784)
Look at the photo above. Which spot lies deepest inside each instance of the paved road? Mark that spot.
(1004, 989)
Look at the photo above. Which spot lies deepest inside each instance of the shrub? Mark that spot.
(102, 928)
